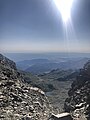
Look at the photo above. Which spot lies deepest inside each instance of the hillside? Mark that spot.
(79, 95)
(18, 100)
(60, 75)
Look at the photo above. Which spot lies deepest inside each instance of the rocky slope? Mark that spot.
(18, 100)
(55, 84)
(78, 102)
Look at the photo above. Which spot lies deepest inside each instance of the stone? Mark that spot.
(18, 100)
(62, 116)
(79, 95)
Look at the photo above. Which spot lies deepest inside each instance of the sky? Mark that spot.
(36, 26)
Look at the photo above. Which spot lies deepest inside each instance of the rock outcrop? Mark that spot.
(78, 102)
(18, 100)
(62, 116)
(6, 62)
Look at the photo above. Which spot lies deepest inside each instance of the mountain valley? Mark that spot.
(22, 96)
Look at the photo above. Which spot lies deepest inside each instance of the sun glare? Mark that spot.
(64, 6)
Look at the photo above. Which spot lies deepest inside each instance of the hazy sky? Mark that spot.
(36, 26)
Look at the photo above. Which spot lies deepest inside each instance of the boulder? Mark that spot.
(62, 116)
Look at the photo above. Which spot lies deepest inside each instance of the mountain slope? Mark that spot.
(18, 100)
(79, 95)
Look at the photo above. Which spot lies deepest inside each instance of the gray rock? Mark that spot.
(18, 100)
(79, 95)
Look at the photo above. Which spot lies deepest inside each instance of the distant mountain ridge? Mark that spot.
(28, 56)
(38, 66)
(23, 65)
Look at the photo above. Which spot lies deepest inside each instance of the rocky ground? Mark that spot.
(78, 102)
(21, 101)
(18, 100)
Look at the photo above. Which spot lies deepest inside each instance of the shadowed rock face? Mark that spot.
(79, 95)
(6, 62)
(18, 100)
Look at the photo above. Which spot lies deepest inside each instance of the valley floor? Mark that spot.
(58, 96)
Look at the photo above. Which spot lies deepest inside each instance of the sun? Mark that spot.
(64, 7)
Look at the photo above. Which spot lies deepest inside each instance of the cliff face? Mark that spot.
(78, 102)
(18, 100)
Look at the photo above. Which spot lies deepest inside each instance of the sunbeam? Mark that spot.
(64, 7)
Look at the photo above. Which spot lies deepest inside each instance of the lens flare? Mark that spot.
(64, 7)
